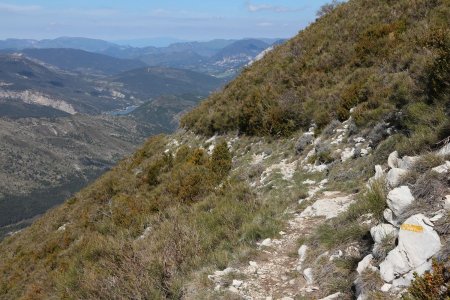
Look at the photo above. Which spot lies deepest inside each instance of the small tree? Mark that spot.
(221, 160)
(327, 8)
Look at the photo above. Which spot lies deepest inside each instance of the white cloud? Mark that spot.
(269, 7)
(265, 24)
(13, 8)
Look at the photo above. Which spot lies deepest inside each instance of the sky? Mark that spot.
(139, 19)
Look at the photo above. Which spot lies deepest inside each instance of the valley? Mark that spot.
(68, 115)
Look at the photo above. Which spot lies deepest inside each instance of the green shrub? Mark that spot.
(430, 286)
(221, 160)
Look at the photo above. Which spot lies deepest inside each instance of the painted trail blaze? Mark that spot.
(410, 227)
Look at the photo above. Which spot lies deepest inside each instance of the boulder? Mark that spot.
(237, 283)
(389, 217)
(442, 169)
(382, 231)
(407, 162)
(386, 287)
(394, 176)
(399, 199)
(347, 154)
(417, 243)
(365, 263)
(327, 207)
(266, 243)
(308, 274)
(405, 280)
(393, 160)
(445, 150)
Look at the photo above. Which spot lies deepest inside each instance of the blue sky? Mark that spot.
(138, 19)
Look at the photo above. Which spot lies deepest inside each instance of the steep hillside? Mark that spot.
(291, 183)
(373, 57)
(83, 61)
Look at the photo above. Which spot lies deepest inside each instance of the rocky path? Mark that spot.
(277, 272)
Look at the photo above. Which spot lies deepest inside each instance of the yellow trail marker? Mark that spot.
(410, 227)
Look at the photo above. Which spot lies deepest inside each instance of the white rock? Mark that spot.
(347, 154)
(394, 176)
(399, 199)
(287, 298)
(386, 287)
(233, 289)
(365, 263)
(447, 202)
(309, 182)
(308, 274)
(393, 160)
(359, 140)
(327, 207)
(302, 254)
(442, 169)
(382, 231)
(417, 242)
(362, 297)
(405, 280)
(237, 283)
(266, 243)
(407, 162)
(389, 217)
(217, 276)
(379, 173)
(445, 150)
(437, 217)
(365, 152)
(336, 255)
(332, 297)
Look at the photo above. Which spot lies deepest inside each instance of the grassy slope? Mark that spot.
(194, 218)
(377, 56)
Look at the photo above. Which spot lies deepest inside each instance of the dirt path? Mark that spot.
(277, 272)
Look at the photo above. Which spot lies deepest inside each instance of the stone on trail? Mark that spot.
(328, 207)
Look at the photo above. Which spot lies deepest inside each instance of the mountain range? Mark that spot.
(221, 58)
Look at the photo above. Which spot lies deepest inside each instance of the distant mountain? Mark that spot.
(184, 59)
(92, 45)
(156, 81)
(83, 61)
(154, 42)
(26, 81)
(242, 49)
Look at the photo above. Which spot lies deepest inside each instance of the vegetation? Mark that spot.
(432, 285)
(379, 57)
(141, 230)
